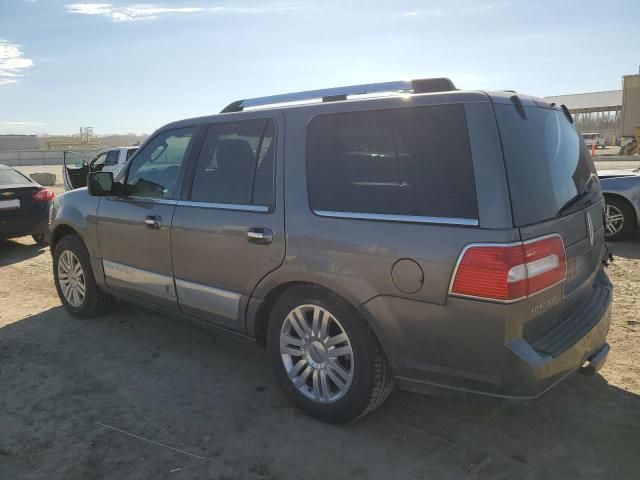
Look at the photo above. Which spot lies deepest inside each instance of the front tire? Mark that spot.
(325, 356)
(620, 219)
(75, 283)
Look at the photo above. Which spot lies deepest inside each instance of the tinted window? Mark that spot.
(112, 157)
(155, 172)
(411, 161)
(130, 152)
(99, 160)
(547, 161)
(236, 164)
(11, 177)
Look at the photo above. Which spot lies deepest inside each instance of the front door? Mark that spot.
(228, 229)
(134, 228)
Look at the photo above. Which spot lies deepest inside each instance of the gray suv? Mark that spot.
(400, 233)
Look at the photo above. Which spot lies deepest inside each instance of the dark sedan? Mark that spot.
(24, 206)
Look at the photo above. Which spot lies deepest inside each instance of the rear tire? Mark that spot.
(369, 381)
(75, 283)
(620, 219)
(39, 238)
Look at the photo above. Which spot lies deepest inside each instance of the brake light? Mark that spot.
(510, 272)
(43, 195)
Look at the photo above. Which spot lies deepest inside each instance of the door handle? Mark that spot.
(153, 221)
(260, 235)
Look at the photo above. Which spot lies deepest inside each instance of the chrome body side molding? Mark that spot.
(121, 276)
(207, 299)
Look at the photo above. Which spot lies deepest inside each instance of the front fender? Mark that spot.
(76, 210)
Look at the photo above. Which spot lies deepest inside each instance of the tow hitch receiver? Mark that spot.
(595, 362)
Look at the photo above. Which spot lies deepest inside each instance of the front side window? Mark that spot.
(155, 171)
(236, 164)
(409, 162)
(99, 161)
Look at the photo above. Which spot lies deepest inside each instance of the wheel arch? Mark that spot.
(60, 231)
(259, 309)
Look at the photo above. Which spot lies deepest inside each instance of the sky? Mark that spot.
(132, 66)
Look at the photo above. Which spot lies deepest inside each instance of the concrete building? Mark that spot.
(631, 106)
(598, 112)
(18, 142)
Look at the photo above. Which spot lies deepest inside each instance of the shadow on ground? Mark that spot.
(65, 382)
(627, 249)
(14, 252)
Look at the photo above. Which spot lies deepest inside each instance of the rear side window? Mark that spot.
(130, 152)
(546, 160)
(236, 164)
(410, 161)
(112, 157)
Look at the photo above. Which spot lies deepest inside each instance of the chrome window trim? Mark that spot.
(470, 222)
(158, 201)
(224, 206)
(507, 244)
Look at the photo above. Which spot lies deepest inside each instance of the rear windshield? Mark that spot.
(408, 162)
(546, 159)
(11, 177)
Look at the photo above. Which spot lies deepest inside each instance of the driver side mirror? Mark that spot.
(101, 184)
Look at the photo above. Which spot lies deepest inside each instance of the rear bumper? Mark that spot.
(29, 224)
(465, 347)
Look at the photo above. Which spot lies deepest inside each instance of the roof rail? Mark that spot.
(422, 85)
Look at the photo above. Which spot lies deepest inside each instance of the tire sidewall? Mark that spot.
(73, 244)
(353, 403)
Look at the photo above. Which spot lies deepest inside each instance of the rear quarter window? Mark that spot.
(409, 162)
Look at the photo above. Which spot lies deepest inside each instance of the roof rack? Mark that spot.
(422, 85)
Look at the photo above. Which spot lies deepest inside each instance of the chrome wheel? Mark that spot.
(614, 219)
(71, 278)
(316, 353)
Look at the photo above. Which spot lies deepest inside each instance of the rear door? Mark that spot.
(554, 189)
(228, 230)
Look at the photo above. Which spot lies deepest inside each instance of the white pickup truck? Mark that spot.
(593, 138)
(76, 169)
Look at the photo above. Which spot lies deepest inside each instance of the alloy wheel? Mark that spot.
(316, 353)
(71, 278)
(614, 219)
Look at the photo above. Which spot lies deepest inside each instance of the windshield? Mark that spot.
(547, 162)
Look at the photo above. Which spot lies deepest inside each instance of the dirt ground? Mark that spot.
(138, 395)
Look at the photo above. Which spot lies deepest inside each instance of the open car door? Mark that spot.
(74, 171)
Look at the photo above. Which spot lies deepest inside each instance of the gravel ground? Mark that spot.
(138, 395)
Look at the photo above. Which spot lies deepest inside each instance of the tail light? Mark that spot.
(43, 195)
(510, 272)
